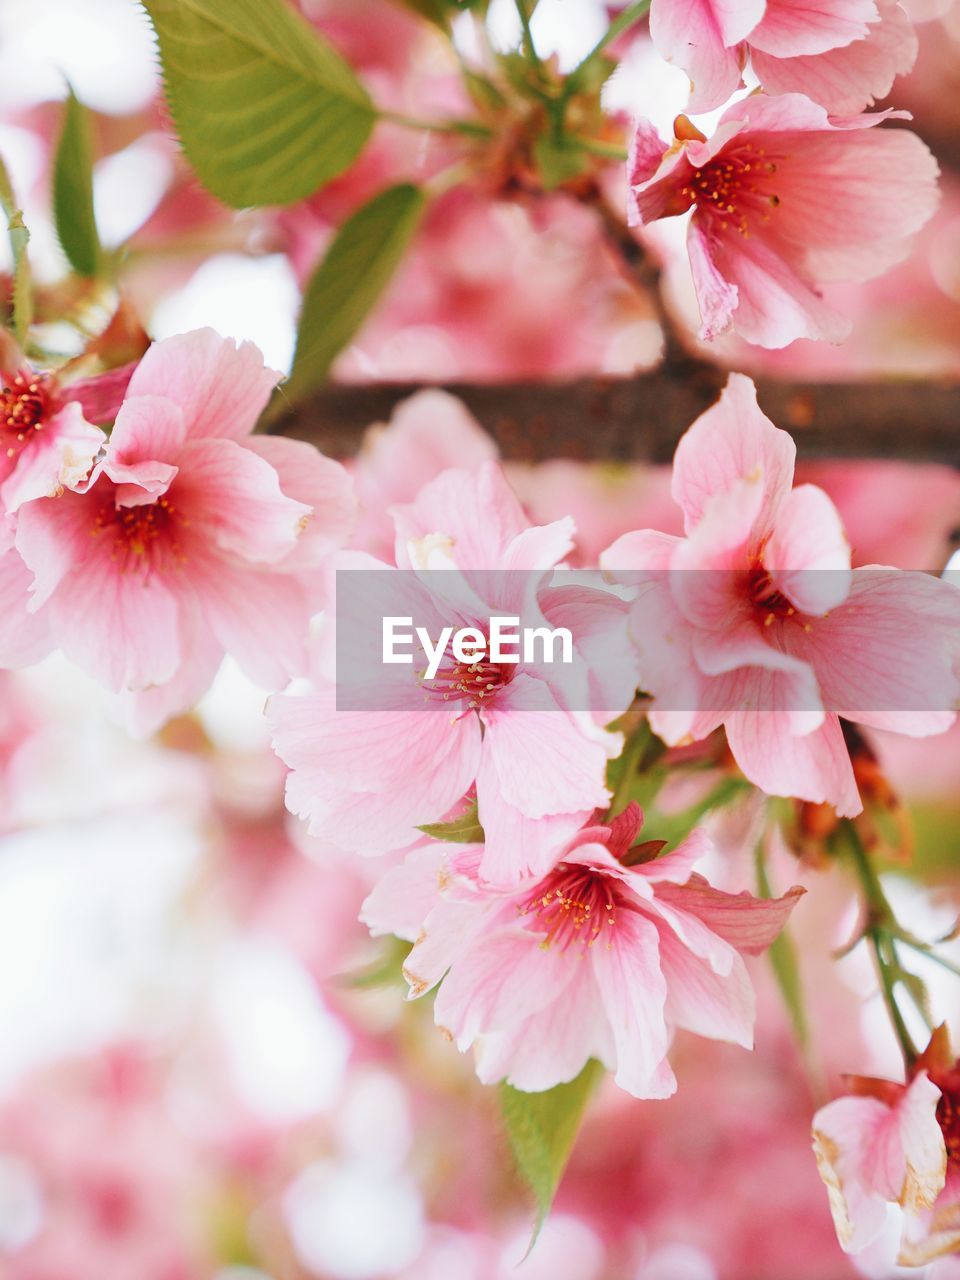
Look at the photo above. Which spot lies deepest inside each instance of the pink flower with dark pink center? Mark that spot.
(191, 536)
(367, 774)
(754, 620)
(785, 199)
(46, 444)
(601, 957)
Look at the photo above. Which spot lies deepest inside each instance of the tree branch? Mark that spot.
(641, 418)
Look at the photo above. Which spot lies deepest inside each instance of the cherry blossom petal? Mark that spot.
(515, 844)
(813, 766)
(717, 297)
(546, 761)
(477, 510)
(849, 79)
(719, 1007)
(260, 618)
(320, 484)
(499, 983)
(808, 553)
(790, 28)
(122, 628)
(235, 502)
(404, 895)
(554, 1044)
(731, 442)
(57, 457)
(698, 36)
(633, 992)
(221, 387)
(24, 636)
(889, 656)
(148, 429)
(750, 924)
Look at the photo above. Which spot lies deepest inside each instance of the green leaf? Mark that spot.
(342, 292)
(73, 191)
(463, 830)
(542, 1128)
(19, 238)
(267, 111)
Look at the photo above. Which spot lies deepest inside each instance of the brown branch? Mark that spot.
(644, 272)
(641, 418)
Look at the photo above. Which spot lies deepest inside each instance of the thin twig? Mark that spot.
(644, 270)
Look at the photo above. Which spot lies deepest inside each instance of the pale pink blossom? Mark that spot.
(844, 54)
(785, 199)
(755, 620)
(931, 1227)
(191, 537)
(601, 957)
(429, 433)
(367, 775)
(897, 1144)
(878, 1150)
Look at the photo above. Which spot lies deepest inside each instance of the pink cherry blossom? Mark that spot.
(882, 1146)
(785, 199)
(844, 54)
(46, 444)
(191, 537)
(601, 957)
(845, 79)
(427, 434)
(366, 777)
(755, 621)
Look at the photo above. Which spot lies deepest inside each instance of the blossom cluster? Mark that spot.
(574, 859)
(790, 193)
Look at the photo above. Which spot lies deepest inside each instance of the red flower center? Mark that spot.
(23, 408)
(476, 683)
(734, 189)
(142, 538)
(765, 597)
(573, 904)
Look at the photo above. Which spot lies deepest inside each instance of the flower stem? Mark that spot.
(633, 753)
(597, 147)
(930, 954)
(529, 47)
(879, 919)
(464, 128)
